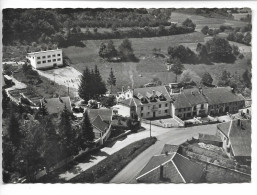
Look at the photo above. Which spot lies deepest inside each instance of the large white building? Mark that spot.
(45, 59)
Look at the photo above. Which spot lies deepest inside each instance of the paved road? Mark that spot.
(173, 136)
(94, 159)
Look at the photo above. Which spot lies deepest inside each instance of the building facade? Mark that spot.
(162, 101)
(46, 59)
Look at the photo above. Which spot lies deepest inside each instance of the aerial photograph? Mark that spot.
(126, 95)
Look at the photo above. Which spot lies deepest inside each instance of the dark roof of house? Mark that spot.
(105, 113)
(145, 91)
(239, 133)
(221, 95)
(189, 98)
(56, 105)
(208, 137)
(167, 148)
(131, 102)
(176, 169)
(99, 124)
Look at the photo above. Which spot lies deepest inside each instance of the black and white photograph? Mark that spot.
(125, 95)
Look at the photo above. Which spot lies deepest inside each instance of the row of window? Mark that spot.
(49, 56)
(44, 61)
(159, 112)
(149, 107)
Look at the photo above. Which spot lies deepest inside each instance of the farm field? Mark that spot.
(202, 21)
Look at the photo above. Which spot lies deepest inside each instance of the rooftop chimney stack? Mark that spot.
(238, 122)
(161, 172)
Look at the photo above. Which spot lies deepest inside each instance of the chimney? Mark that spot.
(161, 172)
(166, 153)
(154, 93)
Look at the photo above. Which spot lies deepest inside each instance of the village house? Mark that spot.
(101, 120)
(171, 167)
(148, 102)
(45, 59)
(56, 105)
(236, 137)
(169, 100)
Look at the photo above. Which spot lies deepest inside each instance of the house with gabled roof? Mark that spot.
(236, 137)
(101, 120)
(171, 168)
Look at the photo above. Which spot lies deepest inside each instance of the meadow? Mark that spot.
(139, 73)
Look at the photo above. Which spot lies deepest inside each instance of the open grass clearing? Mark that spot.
(202, 21)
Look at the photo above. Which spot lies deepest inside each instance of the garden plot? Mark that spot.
(66, 76)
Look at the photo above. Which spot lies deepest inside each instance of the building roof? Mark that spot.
(104, 113)
(56, 105)
(221, 95)
(131, 102)
(169, 148)
(39, 52)
(149, 91)
(99, 124)
(3, 81)
(239, 133)
(176, 169)
(208, 137)
(212, 96)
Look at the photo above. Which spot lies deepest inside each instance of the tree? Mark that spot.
(219, 50)
(126, 52)
(187, 76)
(84, 87)
(189, 24)
(108, 101)
(14, 131)
(224, 79)
(247, 38)
(87, 130)
(67, 133)
(205, 30)
(156, 81)
(202, 54)
(177, 68)
(111, 80)
(98, 85)
(247, 77)
(184, 54)
(207, 79)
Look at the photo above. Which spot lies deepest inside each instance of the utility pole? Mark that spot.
(150, 128)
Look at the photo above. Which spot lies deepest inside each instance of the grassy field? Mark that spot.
(142, 72)
(201, 21)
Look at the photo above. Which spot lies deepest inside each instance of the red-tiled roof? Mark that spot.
(56, 105)
(175, 169)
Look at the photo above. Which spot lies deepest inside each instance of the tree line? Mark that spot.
(240, 35)
(36, 25)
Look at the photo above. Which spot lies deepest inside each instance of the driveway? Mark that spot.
(174, 136)
(105, 152)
